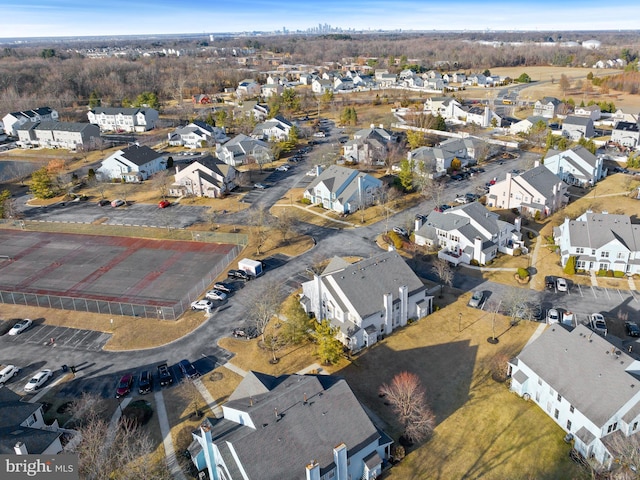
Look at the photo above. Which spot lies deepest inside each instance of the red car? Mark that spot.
(124, 386)
(163, 204)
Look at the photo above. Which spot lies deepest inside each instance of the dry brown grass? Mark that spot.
(221, 383)
(482, 430)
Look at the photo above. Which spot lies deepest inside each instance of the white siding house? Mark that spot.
(368, 299)
(123, 119)
(132, 164)
(600, 241)
(206, 177)
(49, 134)
(577, 166)
(13, 120)
(583, 383)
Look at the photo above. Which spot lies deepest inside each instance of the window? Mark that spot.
(569, 425)
(556, 413)
(635, 425)
(579, 250)
(593, 251)
(571, 409)
(620, 255)
(559, 397)
(605, 254)
(612, 427)
(539, 381)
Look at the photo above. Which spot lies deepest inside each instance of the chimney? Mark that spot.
(536, 163)
(20, 449)
(517, 222)
(380, 126)
(177, 168)
(477, 249)
(318, 170)
(371, 125)
(403, 293)
(417, 224)
(508, 178)
(313, 471)
(388, 313)
(318, 307)
(340, 459)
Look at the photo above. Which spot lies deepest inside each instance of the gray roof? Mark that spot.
(576, 120)
(62, 126)
(460, 218)
(594, 230)
(340, 180)
(593, 377)
(289, 430)
(14, 412)
(366, 282)
(119, 110)
(140, 154)
(541, 179)
(580, 151)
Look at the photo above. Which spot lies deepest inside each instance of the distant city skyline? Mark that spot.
(64, 18)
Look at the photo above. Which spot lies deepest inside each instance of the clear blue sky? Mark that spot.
(35, 18)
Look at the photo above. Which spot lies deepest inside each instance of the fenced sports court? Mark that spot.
(139, 277)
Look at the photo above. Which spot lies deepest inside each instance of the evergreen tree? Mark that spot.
(328, 347)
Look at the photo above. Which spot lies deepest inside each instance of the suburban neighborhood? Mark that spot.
(325, 270)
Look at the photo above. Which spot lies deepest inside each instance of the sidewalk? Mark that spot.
(308, 209)
(167, 442)
(235, 369)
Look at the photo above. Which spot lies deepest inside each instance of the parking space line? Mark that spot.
(620, 293)
(606, 290)
(632, 295)
(580, 290)
(593, 291)
(71, 338)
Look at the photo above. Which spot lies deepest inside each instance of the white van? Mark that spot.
(7, 372)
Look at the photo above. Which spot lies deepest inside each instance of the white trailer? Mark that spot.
(252, 267)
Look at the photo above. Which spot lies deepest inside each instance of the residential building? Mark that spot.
(259, 111)
(600, 241)
(370, 145)
(626, 134)
(587, 385)
(203, 99)
(436, 161)
(302, 427)
(114, 119)
(206, 177)
(320, 85)
(248, 88)
(342, 189)
(368, 299)
(591, 111)
(271, 89)
(536, 190)
(275, 129)
(577, 166)
(469, 232)
(197, 135)
(576, 127)
(547, 107)
(23, 430)
(524, 126)
(446, 107)
(387, 80)
(13, 120)
(52, 134)
(482, 116)
(132, 164)
(242, 150)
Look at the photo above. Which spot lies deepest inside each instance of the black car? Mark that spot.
(241, 274)
(104, 202)
(188, 370)
(632, 329)
(145, 384)
(550, 282)
(457, 178)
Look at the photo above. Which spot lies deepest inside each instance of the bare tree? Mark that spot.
(188, 391)
(442, 269)
(408, 399)
(162, 181)
(122, 451)
(626, 457)
(564, 83)
(285, 223)
(265, 303)
(259, 221)
(515, 304)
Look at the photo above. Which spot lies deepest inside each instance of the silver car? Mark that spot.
(476, 300)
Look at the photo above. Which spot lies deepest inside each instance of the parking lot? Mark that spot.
(63, 337)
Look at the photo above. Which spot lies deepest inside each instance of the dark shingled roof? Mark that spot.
(140, 154)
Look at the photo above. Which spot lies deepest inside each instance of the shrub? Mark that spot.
(618, 274)
(395, 239)
(570, 267)
(601, 273)
(530, 235)
(515, 211)
(610, 273)
(517, 252)
(305, 201)
(523, 272)
(580, 271)
(474, 262)
(139, 412)
(537, 216)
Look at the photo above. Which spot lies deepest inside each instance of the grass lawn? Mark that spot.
(482, 429)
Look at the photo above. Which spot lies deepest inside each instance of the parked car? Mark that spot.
(163, 203)
(216, 295)
(536, 312)
(476, 299)
(598, 324)
(223, 287)
(124, 385)
(104, 202)
(247, 333)
(38, 380)
(282, 168)
(550, 282)
(260, 186)
(561, 284)
(8, 372)
(442, 208)
(312, 172)
(20, 327)
(401, 231)
(188, 370)
(553, 316)
(462, 200)
(117, 203)
(145, 382)
(201, 304)
(240, 274)
(422, 218)
(457, 178)
(632, 328)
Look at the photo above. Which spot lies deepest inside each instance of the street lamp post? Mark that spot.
(460, 322)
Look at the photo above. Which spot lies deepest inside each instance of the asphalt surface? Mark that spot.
(99, 370)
